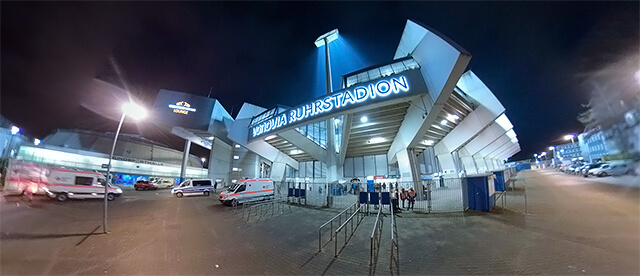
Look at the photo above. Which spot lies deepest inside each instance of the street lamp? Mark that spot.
(553, 160)
(203, 159)
(136, 112)
(569, 137)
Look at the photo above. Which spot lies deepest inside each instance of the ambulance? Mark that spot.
(57, 183)
(248, 190)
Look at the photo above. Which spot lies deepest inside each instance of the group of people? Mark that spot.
(408, 196)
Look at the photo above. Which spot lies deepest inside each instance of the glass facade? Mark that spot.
(396, 67)
(370, 165)
(317, 132)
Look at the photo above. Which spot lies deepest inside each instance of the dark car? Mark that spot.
(144, 185)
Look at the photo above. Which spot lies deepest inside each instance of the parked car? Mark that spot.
(144, 185)
(162, 183)
(611, 169)
(586, 168)
(193, 187)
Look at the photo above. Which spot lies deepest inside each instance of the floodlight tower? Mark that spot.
(331, 158)
(324, 40)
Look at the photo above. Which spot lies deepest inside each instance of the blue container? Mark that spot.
(478, 197)
(522, 167)
(499, 181)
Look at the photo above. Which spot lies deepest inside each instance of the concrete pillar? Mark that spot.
(447, 164)
(409, 168)
(185, 158)
(467, 161)
(220, 158)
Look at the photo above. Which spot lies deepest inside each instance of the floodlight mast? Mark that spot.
(324, 40)
(332, 159)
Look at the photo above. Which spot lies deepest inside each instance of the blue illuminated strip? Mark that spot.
(182, 107)
(340, 99)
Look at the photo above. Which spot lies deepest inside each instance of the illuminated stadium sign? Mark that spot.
(182, 108)
(179, 109)
(360, 95)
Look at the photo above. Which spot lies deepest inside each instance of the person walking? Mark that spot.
(403, 197)
(412, 198)
(394, 201)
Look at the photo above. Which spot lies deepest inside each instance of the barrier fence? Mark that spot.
(394, 256)
(349, 229)
(345, 213)
(263, 208)
(439, 195)
(376, 236)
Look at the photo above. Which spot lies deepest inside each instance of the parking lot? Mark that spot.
(571, 226)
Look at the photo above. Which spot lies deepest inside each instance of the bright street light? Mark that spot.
(15, 130)
(36, 141)
(364, 119)
(136, 112)
(551, 148)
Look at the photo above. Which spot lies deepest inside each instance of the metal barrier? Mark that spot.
(345, 225)
(344, 212)
(394, 257)
(263, 207)
(376, 236)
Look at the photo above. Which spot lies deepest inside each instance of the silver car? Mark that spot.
(611, 169)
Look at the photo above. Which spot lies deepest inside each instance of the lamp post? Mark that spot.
(203, 160)
(569, 137)
(553, 160)
(135, 112)
(331, 159)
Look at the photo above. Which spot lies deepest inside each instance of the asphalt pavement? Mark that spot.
(566, 225)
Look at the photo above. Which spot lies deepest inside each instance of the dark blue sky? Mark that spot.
(531, 54)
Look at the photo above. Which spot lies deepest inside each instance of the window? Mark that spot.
(202, 183)
(81, 180)
(242, 188)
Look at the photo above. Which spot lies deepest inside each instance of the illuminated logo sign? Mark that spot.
(332, 103)
(182, 108)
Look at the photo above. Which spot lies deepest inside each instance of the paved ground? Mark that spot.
(571, 226)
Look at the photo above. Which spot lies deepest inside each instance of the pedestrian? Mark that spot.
(412, 198)
(394, 202)
(403, 197)
(215, 185)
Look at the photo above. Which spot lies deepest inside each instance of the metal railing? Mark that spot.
(394, 257)
(262, 208)
(345, 226)
(339, 216)
(376, 236)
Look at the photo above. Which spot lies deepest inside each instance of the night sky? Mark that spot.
(532, 55)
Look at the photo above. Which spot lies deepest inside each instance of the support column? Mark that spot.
(467, 160)
(220, 158)
(185, 158)
(447, 164)
(409, 168)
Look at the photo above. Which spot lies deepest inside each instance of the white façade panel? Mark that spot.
(442, 62)
(348, 167)
(381, 164)
(358, 166)
(484, 138)
(369, 165)
(494, 145)
(411, 36)
(471, 85)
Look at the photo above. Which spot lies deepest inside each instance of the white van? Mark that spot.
(193, 187)
(57, 183)
(248, 190)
